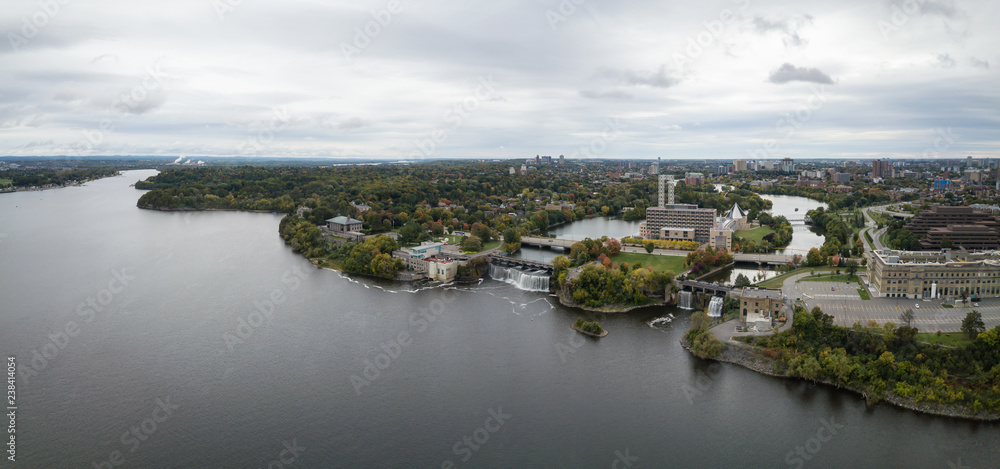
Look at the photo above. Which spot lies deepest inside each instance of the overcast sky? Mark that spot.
(424, 78)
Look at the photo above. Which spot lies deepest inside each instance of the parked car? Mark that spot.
(916, 306)
(975, 304)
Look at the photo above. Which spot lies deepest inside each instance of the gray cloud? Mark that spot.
(615, 94)
(788, 72)
(788, 26)
(352, 123)
(979, 63)
(945, 61)
(658, 79)
(945, 8)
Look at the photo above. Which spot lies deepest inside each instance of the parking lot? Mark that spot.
(843, 301)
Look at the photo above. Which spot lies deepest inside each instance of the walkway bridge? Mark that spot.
(704, 287)
(547, 242)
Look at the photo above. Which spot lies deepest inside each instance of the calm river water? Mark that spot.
(143, 340)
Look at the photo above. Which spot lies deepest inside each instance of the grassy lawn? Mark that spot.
(756, 234)
(776, 282)
(946, 338)
(829, 278)
(864, 294)
(660, 263)
(947, 306)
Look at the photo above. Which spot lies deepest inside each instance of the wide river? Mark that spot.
(143, 342)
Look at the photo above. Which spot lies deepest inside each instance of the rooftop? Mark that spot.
(766, 293)
(343, 220)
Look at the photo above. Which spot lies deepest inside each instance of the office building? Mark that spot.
(965, 227)
(933, 274)
(678, 217)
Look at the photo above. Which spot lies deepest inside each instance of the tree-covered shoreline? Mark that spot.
(888, 363)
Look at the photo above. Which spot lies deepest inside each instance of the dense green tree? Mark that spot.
(742, 281)
(472, 244)
(972, 324)
(511, 240)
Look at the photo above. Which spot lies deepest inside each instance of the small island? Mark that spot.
(592, 328)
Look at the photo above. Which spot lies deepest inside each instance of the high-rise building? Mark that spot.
(694, 179)
(881, 169)
(562, 159)
(741, 165)
(788, 165)
(678, 217)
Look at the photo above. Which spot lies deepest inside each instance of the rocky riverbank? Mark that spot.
(748, 358)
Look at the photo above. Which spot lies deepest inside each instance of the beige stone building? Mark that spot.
(934, 274)
(759, 306)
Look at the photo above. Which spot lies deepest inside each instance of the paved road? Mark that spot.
(871, 228)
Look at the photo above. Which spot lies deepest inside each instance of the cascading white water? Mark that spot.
(523, 280)
(684, 300)
(715, 307)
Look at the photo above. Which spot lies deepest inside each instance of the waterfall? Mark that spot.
(715, 307)
(684, 300)
(523, 280)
